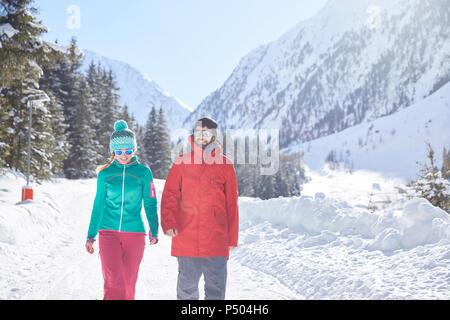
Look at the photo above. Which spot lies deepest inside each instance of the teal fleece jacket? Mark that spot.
(121, 189)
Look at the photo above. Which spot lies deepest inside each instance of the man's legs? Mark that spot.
(189, 273)
(215, 273)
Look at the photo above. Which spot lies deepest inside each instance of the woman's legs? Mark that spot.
(133, 245)
(121, 254)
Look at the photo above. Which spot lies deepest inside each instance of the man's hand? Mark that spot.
(231, 248)
(171, 232)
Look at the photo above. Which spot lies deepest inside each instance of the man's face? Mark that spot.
(202, 136)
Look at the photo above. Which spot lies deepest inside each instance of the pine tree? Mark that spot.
(281, 187)
(430, 184)
(106, 111)
(446, 164)
(246, 173)
(17, 51)
(68, 73)
(266, 188)
(5, 148)
(51, 84)
(140, 133)
(151, 143)
(162, 161)
(84, 157)
(22, 57)
(94, 83)
(109, 108)
(332, 160)
(294, 172)
(43, 140)
(124, 114)
(78, 100)
(286, 182)
(60, 147)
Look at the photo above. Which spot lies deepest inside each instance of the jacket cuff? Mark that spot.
(232, 243)
(91, 240)
(168, 227)
(151, 238)
(152, 235)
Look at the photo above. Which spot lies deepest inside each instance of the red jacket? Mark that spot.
(200, 200)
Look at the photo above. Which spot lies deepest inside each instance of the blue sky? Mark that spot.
(189, 47)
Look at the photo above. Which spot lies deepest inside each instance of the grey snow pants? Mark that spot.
(190, 269)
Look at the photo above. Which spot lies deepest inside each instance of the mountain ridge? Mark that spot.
(139, 92)
(354, 61)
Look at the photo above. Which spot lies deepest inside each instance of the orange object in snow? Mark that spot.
(27, 193)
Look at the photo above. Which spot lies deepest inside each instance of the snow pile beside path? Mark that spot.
(419, 223)
(27, 221)
(412, 223)
(324, 248)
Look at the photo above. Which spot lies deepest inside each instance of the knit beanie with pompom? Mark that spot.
(122, 137)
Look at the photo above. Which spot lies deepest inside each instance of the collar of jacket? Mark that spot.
(132, 162)
(216, 147)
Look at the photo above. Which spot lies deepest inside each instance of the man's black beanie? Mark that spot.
(206, 122)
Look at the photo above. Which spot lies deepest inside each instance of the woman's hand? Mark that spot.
(153, 241)
(89, 247)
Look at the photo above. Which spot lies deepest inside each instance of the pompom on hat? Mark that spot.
(122, 137)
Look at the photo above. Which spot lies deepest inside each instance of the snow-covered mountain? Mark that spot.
(390, 144)
(139, 92)
(354, 61)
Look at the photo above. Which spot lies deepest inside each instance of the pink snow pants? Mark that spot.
(121, 254)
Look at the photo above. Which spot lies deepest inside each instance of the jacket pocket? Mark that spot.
(220, 218)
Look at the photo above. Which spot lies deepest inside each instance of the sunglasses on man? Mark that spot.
(127, 152)
(205, 133)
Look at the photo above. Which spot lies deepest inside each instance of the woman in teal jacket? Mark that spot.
(122, 185)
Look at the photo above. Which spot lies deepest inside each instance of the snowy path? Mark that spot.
(58, 267)
(322, 245)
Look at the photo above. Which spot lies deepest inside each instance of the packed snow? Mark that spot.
(42, 254)
(324, 244)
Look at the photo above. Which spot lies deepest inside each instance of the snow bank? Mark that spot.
(419, 223)
(27, 221)
(416, 223)
(325, 247)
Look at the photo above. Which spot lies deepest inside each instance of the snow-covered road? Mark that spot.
(322, 245)
(50, 262)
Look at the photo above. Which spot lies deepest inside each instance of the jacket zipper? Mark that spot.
(123, 193)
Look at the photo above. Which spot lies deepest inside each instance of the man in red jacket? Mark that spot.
(199, 210)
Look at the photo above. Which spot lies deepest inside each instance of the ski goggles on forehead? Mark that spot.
(205, 133)
(127, 152)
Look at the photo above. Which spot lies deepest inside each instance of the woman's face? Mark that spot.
(123, 156)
